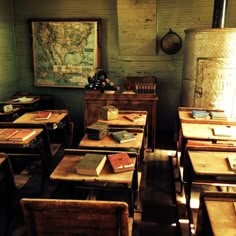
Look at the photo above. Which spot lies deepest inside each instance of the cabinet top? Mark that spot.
(101, 96)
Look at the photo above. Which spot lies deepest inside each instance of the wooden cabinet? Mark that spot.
(140, 102)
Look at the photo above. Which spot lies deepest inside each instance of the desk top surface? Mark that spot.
(56, 117)
(108, 142)
(122, 121)
(65, 171)
(185, 116)
(25, 142)
(24, 100)
(211, 162)
(205, 131)
(226, 223)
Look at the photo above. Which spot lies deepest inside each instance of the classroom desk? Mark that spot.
(108, 143)
(27, 103)
(203, 132)
(65, 173)
(123, 122)
(184, 116)
(59, 120)
(217, 214)
(207, 168)
(31, 147)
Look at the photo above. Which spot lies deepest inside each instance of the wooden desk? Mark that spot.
(136, 102)
(53, 122)
(65, 173)
(10, 116)
(207, 168)
(33, 147)
(216, 215)
(204, 132)
(185, 116)
(20, 144)
(123, 122)
(30, 105)
(109, 143)
(58, 120)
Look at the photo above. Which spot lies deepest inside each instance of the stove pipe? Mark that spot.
(219, 13)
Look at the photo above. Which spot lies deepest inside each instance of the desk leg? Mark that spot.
(187, 189)
(183, 146)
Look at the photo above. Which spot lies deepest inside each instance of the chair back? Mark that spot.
(56, 217)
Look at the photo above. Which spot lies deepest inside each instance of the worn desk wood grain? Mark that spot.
(108, 142)
(29, 118)
(226, 223)
(107, 180)
(13, 143)
(65, 171)
(122, 121)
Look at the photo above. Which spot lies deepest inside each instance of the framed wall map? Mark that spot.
(65, 52)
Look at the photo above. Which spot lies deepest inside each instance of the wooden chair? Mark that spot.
(75, 217)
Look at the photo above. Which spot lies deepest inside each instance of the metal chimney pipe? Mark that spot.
(219, 13)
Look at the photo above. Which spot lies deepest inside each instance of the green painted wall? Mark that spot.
(177, 15)
(8, 68)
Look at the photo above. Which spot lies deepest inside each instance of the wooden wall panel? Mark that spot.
(177, 15)
(8, 69)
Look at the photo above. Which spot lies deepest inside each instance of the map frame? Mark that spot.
(54, 39)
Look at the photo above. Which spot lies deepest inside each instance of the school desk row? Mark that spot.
(203, 154)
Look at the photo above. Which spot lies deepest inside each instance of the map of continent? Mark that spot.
(65, 53)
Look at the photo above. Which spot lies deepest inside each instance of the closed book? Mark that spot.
(123, 136)
(42, 115)
(218, 115)
(7, 133)
(22, 135)
(120, 162)
(134, 117)
(200, 114)
(223, 131)
(232, 162)
(91, 164)
(97, 130)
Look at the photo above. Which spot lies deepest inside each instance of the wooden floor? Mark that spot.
(156, 213)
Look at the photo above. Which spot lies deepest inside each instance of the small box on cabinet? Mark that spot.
(109, 112)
